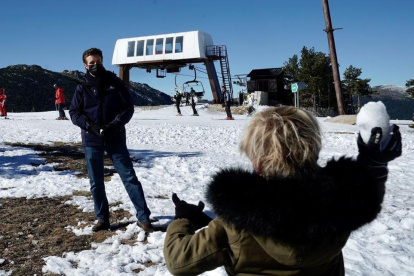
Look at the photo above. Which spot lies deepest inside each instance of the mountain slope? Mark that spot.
(29, 88)
(399, 104)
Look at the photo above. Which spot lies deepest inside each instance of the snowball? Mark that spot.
(373, 114)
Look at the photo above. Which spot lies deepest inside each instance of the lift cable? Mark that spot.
(201, 70)
(189, 76)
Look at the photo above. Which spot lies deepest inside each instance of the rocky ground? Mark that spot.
(150, 107)
(239, 110)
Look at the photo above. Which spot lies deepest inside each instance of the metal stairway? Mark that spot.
(220, 52)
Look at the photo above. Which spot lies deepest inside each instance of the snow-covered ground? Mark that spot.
(180, 154)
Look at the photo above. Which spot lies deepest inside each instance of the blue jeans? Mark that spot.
(228, 111)
(123, 165)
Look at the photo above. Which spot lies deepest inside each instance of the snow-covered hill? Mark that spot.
(399, 104)
(30, 88)
(390, 90)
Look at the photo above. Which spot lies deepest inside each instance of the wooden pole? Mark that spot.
(335, 70)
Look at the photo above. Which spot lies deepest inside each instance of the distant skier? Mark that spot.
(187, 98)
(227, 103)
(3, 109)
(194, 101)
(178, 95)
(60, 101)
(250, 102)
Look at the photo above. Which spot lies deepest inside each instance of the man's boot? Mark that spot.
(146, 226)
(101, 225)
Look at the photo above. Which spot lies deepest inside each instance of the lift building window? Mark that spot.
(140, 48)
(131, 49)
(159, 45)
(150, 47)
(169, 45)
(179, 44)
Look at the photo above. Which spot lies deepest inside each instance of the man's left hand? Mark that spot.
(109, 132)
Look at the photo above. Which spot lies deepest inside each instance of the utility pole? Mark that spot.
(332, 52)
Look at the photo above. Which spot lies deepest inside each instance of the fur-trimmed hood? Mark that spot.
(324, 202)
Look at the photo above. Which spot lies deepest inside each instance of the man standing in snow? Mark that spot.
(194, 100)
(102, 107)
(3, 110)
(227, 103)
(250, 101)
(178, 95)
(60, 101)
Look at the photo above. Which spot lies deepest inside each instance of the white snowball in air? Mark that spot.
(373, 114)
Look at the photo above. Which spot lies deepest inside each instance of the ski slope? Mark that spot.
(180, 154)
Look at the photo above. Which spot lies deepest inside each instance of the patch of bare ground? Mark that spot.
(32, 229)
(66, 157)
(149, 264)
(238, 110)
(159, 197)
(152, 107)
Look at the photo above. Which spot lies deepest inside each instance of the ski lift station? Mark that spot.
(168, 53)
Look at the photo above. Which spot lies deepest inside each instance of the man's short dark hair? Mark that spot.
(91, 52)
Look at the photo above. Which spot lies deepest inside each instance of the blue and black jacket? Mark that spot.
(101, 101)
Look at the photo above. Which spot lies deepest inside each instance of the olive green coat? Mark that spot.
(295, 226)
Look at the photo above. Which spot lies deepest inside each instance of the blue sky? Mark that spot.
(377, 35)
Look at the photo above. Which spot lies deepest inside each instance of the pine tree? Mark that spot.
(291, 69)
(316, 72)
(314, 69)
(410, 87)
(355, 86)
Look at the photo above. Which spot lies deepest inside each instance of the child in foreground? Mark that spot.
(288, 216)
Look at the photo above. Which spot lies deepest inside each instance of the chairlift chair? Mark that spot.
(196, 85)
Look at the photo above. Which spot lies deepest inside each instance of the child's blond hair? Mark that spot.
(279, 141)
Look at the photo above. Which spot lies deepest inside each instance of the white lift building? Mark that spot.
(167, 53)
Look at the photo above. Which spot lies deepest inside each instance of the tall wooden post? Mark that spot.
(124, 74)
(332, 50)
